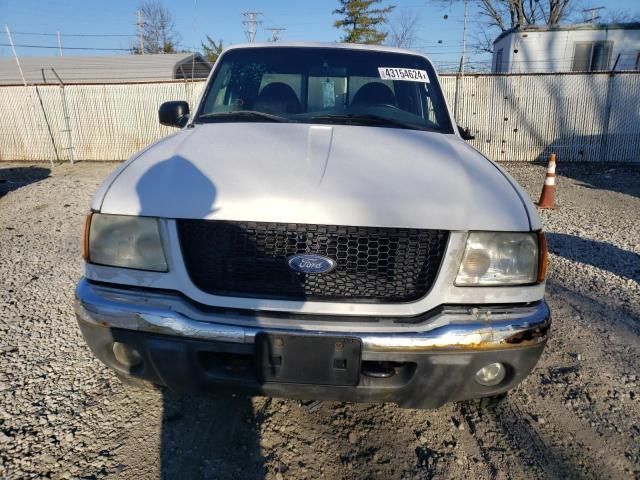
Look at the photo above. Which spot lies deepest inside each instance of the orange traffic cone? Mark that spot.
(549, 188)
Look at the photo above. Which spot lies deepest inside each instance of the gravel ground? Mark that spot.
(64, 415)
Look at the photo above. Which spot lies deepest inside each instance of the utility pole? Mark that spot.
(251, 23)
(15, 55)
(460, 76)
(140, 32)
(275, 33)
(59, 43)
(464, 39)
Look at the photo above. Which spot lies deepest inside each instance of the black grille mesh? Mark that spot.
(250, 259)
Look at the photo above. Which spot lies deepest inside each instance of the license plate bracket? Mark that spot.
(308, 359)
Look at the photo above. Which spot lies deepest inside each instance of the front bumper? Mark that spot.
(433, 362)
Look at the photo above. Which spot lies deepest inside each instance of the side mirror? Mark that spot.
(465, 133)
(174, 114)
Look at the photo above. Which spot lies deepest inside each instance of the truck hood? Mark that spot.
(324, 174)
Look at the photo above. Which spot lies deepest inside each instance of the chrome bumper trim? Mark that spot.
(453, 328)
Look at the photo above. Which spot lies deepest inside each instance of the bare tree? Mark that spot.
(619, 16)
(481, 41)
(403, 29)
(557, 10)
(506, 14)
(158, 28)
(496, 16)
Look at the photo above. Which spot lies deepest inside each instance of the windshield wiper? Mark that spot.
(366, 119)
(241, 115)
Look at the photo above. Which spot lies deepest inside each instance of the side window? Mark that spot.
(218, 102)
(413, 98)
(430, 109)
(591, 56)
(582, 56)
(601, 56)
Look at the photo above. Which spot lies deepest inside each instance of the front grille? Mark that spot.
(249, 259)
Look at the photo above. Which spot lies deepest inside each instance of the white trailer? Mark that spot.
(563, 48)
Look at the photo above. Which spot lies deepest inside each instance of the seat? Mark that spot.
(277, 98)
(374, 93)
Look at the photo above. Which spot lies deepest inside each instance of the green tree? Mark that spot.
(361, 21)
(211, 49)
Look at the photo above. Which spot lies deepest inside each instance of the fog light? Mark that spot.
(491, 374)
(127, 356)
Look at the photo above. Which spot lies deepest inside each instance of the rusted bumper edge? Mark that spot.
(453, 328)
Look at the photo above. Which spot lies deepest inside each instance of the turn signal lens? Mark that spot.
(85, 237)
(476, 263)
(542, 257)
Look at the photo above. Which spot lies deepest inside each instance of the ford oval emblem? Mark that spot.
(311, 263)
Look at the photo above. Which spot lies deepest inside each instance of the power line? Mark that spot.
(76, 34)
(441, 50)
(66, 48)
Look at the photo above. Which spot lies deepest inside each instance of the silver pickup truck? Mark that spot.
(317, 229)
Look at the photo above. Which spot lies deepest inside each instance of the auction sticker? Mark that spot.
(407, 74)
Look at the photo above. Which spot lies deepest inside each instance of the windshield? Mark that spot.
(327, 86)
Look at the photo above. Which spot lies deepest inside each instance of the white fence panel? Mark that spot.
(581, 117)
(108, 122)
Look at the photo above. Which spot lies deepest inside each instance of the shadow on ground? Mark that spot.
(602, 255)
(621, 178)
(208, 437)
(14, 178)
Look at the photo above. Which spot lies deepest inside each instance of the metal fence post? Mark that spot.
(46, 119)
(67, 123)
(455, 99)
(604, 145)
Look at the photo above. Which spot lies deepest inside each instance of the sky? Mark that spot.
(81, 21)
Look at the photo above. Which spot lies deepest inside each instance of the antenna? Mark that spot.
(275, 33)
(251, 23)
(594, 12)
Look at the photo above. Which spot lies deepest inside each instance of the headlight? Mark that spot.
(124, 241)
(499, 258)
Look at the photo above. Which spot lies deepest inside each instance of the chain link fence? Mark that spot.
(580, 117)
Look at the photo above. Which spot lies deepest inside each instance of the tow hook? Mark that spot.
(379, 369)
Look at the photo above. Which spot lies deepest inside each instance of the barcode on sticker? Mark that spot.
(407, 74)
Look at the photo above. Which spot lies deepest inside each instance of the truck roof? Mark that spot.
(346, 46)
